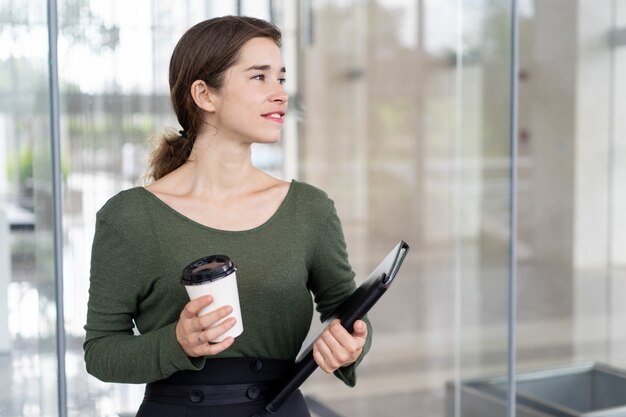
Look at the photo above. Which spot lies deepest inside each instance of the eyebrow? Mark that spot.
(263, 68)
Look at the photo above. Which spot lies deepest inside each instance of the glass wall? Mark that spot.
(570, 258)
(412, 139)
(28, 344)
(114, 60)
(616, 253)
(407, 128)
(401, 111)
(572, 268)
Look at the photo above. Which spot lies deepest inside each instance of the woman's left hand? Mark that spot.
(336, 347)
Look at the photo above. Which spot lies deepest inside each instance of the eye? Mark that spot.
(282, 81)
(260, 77)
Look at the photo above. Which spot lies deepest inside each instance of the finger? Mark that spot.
(342, 354)
(336, 340)
(346, 347)
(208, 320)
(321, 360)
(193, 324)
(360, 329)
(193, 307)
(351, 342)
(329, 360)
(207, 349)
(339, 338)
(216, 331)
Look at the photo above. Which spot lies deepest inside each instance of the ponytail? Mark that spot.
(172, 151)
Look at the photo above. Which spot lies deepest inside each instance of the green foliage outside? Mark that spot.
(21, 166)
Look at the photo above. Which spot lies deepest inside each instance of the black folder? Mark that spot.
(349, 311)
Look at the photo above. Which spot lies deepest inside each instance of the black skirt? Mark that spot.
(239, 387)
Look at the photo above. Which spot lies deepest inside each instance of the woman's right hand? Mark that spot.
(194, 333)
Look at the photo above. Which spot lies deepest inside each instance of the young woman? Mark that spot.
(226, 83)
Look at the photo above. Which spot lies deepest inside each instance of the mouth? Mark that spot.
(276, 116)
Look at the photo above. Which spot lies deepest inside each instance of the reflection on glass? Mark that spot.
(28, 358)
(378, 134)
(483, 199)
(114, 60)
(380, 94)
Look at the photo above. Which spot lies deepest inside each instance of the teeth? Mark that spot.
(275, 115)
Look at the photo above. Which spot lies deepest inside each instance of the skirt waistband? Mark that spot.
(221, 382)
(232, 371)
(208, 394)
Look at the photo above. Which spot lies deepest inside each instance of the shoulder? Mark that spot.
(312, 202)
(124, 206)
(124, 200)
(310, 193)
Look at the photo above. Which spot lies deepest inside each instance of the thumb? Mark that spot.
(360, 329)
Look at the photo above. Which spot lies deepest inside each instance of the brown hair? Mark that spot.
(204, 53)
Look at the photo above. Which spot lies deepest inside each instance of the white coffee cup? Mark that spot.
(215, 275)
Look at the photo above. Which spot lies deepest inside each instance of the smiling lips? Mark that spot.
(276, 116)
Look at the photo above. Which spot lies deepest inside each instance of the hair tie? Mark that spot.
(183, 133)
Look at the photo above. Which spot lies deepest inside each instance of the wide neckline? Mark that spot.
(270, 220)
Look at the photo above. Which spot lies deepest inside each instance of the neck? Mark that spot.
(219, 167)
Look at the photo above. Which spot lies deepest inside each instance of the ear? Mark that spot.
(203, 96)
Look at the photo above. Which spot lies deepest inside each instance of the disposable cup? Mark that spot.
(215, 275)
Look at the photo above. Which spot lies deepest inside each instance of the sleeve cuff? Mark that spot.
(347, 374)
(174, 358)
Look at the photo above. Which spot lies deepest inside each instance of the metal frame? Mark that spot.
(513, 128)
(55, 120)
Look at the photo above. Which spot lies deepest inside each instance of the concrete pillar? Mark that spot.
(592, 278)
(593, 116)
(552, 107)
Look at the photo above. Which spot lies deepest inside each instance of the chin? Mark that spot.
(268, 141)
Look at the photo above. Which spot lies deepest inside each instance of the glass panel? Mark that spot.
(618, 140)
(112, 96)
(114, 59)
(28, 357)
(483, 202)
(380, 93)
(571, 285)
(617, 226)
(564, 186)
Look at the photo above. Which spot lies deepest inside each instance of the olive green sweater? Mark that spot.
(140, 248)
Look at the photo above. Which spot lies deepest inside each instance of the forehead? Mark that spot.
(260, 51)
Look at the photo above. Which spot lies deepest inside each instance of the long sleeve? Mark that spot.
(117, 284)
(332, 280)
(140, 248)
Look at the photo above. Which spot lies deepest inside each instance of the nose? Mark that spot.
(279, 95)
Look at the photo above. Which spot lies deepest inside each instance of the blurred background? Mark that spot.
(401, 110)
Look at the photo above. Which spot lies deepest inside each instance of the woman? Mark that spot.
(226, 83)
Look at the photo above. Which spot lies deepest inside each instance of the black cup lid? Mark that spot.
(207, 269)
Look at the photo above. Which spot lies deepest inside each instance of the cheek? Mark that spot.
(242, 106)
